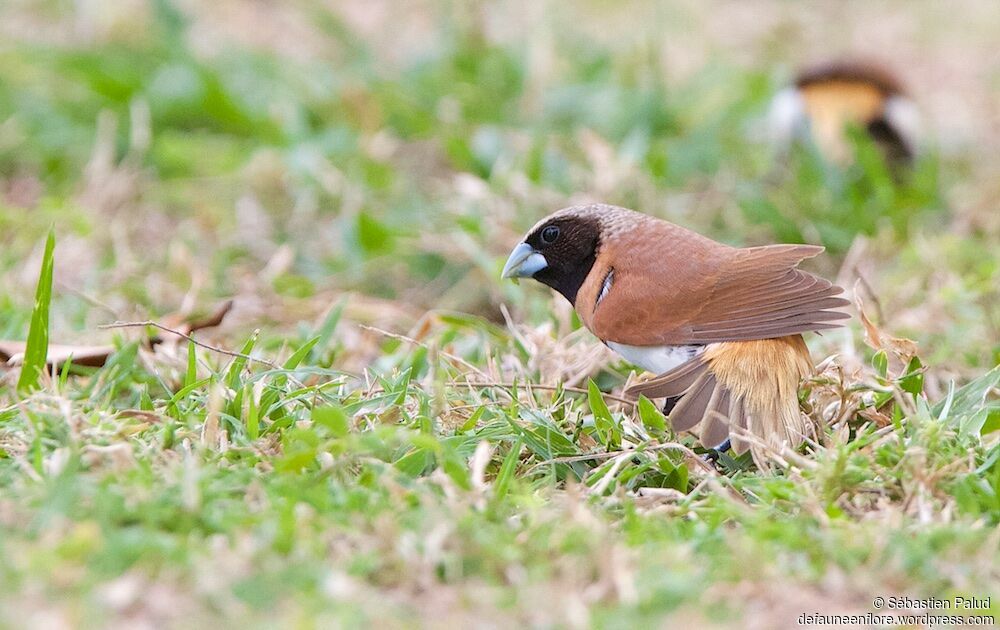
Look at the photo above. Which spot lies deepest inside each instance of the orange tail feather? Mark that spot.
(737, 388)
(764, 377)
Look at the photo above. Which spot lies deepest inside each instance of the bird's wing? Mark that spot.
(690, 290)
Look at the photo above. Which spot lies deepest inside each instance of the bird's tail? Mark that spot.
(746, 391)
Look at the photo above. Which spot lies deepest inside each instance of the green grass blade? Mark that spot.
(37, 349)
(651, 417)
(192, 366)
(506, 475)
(236, 367)
(608, 430)
(299, 355)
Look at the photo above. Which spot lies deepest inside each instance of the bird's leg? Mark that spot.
(713, 455)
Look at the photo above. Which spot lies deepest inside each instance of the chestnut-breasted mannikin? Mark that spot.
(721, 326)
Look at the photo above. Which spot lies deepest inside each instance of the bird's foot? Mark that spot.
(712, 456)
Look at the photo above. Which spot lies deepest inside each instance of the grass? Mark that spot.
(33, 365)
(397, 437)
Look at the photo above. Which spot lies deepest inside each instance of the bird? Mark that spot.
(827, 98)
(720, 326)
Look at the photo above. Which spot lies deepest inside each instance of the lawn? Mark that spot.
(380, 431)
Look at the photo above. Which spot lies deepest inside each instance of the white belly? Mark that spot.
(656, 359)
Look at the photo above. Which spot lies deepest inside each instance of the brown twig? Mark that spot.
(201, 344)
(528, 386)
(411, 340)
(609, 454)
(872, 295)
(711, 475)
(551, 388)
(460, 360)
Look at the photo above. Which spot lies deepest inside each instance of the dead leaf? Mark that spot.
(876, 416)
(905, 349)
(12, 352)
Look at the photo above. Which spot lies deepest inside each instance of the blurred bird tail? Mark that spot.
(746, 391)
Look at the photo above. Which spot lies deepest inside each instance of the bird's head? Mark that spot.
(559, 251)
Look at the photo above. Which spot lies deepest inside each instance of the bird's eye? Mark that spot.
(550, 234)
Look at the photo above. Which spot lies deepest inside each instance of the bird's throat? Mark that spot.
(567, 281)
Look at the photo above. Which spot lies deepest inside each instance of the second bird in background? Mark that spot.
(827, 99)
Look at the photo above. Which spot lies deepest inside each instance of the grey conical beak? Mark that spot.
(524, 262)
